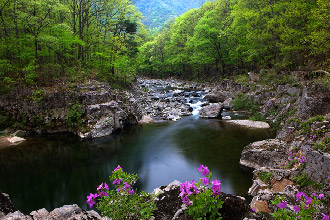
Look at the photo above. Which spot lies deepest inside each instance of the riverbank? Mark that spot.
(168, 203)
(278, 104)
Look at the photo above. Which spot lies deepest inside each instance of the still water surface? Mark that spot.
(56, 170)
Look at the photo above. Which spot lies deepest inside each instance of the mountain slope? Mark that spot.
(157, 12)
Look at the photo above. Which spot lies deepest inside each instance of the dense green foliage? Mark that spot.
(231, 36)
(157, 12)
(44, 40)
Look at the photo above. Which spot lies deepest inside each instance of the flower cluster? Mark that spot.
(296, 156)
(201, 195)
(323, 143)
(293, 159)
(122, 202)
(100, 193)
(121, 188)
(305, 207)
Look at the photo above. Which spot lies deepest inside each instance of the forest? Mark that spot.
(45, 41)
(228, 37)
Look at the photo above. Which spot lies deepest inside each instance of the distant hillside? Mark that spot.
(157, 12)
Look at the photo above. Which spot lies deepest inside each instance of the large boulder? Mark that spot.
(213, 110)
(266, 153)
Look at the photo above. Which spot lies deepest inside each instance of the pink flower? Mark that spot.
(216, 187)
(90, 202)
(126, 186)
(296, 208)
(205, 181)
(325, 217)
(131, 191)
(117, 181)
(119, 168)
(186, 201)
(90, 199)
(106, 185)
(309, 200)
(206, 171)
(103, 193)
(182, 193)
(283, 205)
(99, 187)
(200, 169)
(299, 194)
(193, 183)
(321, 196)
(188, 191)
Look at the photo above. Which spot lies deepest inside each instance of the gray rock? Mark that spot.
(265, 153)
(213, 110)
(40, 214)
(228, 103)
(177, 213)
(314, 101)
(250, 124)
(317, 166)
(293, 91)
(16, 216)
(212, 98)
(146, 119)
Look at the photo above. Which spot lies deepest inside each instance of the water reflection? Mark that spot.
(57, 170)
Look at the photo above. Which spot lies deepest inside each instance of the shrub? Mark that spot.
(202, 202)
(74, 116)
(241, 102)
(122, 202)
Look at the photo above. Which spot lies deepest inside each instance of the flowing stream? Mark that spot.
(52, 171)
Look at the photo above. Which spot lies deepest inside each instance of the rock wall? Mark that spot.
(302, 101)
(45, 110)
